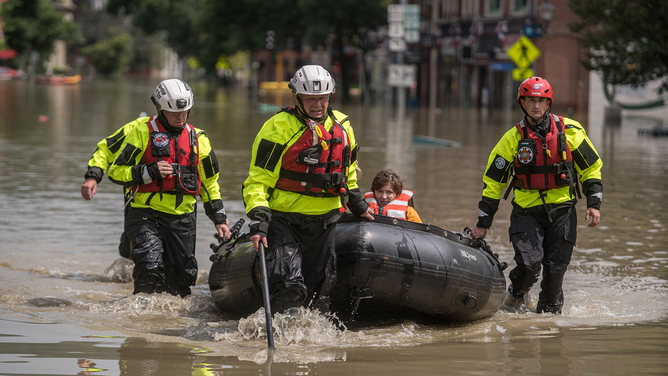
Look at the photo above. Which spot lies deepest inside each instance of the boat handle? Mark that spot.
(468, 300)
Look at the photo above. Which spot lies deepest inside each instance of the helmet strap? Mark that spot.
(163, 120)
(302, 110)
(537, 121)
(542, 125)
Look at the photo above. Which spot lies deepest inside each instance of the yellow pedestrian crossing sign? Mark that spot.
(521, 74)
(523, 52)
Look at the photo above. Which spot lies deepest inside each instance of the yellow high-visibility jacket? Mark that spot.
(498, 174)
(128, 170)
(260, 195)
(108, 149)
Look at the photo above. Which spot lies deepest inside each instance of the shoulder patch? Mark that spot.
(500, 163)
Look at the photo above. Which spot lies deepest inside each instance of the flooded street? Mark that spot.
(66, 303)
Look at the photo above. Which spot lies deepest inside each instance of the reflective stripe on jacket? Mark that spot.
(108, 149)
(317, 163)
(500, 167)
(130, 157)
(277, 135)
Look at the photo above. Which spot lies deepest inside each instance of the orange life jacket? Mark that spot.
(543, 164)
(181, 151)
(317, 163)
(396, 208)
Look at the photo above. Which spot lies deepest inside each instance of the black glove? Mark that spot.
(215, 210)
(153, 171)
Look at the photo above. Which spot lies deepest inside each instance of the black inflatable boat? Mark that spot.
(386, 266)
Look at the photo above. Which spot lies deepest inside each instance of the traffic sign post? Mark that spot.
(412, 23)
(521, 74)
(403, 27)
(401, 75)
(523, 53)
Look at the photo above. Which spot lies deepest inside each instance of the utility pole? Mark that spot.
(433, 59)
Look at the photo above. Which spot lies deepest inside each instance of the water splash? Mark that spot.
(122, 270)
(295, 326)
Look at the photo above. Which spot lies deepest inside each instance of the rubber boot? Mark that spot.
(515, 303)
(149, 284)
(321, 303)
(285, 300)
(551, 297)
(544, 307)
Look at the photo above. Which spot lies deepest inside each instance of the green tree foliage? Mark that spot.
(628, 39)
(178, 19)
(348, 22)
(237, 25)
(98, 26)
(110, 56)
(207, 29)
(33, 25)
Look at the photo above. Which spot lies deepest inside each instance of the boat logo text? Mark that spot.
(467, 255)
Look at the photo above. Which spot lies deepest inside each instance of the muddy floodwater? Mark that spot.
(66, 303)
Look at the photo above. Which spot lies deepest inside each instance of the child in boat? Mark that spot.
(388, 197)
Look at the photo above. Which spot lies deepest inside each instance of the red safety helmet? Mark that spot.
(534, 87)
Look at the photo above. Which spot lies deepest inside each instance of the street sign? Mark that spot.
(521, 74)
(395, 13)
(397, 45)
(501, 66)
(401, 75)
(404, 22)
(412, 36)
(395, 29)
(412, 23)
(523, 52)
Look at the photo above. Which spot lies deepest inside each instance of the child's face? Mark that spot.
(384, 195)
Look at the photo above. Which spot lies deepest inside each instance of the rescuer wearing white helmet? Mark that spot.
(302, 177)
(167, 163)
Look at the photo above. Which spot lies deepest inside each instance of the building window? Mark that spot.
(450, 9)
(519, 7)
(470, 9)
(492, 8)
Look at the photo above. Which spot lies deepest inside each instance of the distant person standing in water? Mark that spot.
(543, 154)
(166, 163)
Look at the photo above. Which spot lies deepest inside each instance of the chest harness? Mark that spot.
(182, 152)
(544, 163)
(317, 164)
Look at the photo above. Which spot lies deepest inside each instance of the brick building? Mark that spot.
(468, 41)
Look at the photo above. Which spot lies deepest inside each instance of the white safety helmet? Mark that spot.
(173, 95)
(312, 80)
